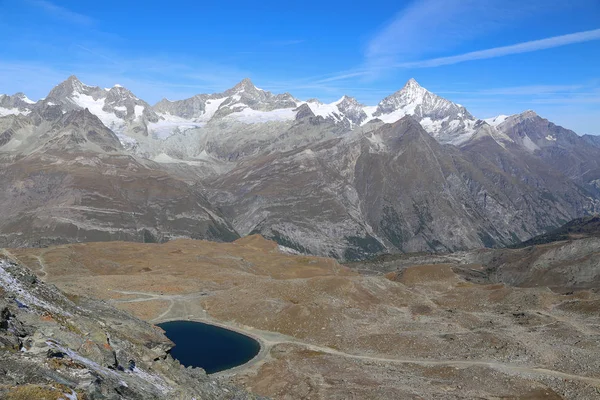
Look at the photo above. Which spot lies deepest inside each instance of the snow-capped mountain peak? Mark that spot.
(21, 96)
(413, 88)
(352, 110)
(17, 104)
(244, 85)
(446, 121)
(132, 118)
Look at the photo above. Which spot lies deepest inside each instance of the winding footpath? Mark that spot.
(269, 339)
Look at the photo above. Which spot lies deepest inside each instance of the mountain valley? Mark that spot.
(342, 180)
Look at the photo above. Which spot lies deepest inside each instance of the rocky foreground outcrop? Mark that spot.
(57, 346)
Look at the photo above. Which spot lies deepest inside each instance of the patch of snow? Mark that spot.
(13, 111)
(164, 158)
(369, 110)
(166, 126)
(139, 111)
(495, 121)
(96, 107)
(326, 110)
(454, 124)
(431, 126)
(393, 116)
(210, 108)
(551, 138)
(27, 100)
(126, 141)
(250, 116)
(121, 108)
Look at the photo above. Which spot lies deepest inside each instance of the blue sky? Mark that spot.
(492, 56)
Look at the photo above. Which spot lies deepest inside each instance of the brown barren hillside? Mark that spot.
(330, 333)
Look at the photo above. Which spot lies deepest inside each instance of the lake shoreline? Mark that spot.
(260, 355)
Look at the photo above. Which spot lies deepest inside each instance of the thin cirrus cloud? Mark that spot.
(520, 90)
(61, 12)
(519, 48)
(525, 47)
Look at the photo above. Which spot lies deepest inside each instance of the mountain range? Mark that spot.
(416, 172)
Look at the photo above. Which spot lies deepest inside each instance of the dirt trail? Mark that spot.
(270, 339)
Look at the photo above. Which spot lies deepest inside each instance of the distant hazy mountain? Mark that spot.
(414, 173)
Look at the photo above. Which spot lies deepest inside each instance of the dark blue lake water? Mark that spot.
(207, 346)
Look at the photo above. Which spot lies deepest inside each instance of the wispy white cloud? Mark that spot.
(525, 47)
(97, 54)
(62, 12)
(519, 48)
(428, 27)
(424, 29)
(529, 90)
(417, 30)
(571, 100)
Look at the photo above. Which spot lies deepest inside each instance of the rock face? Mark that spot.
(15, 105)
(562, 148)
(80, 130)
(117, 107)
(97, 197)
(68, 179)
(54, 346)
(393, 188)
(564, 260)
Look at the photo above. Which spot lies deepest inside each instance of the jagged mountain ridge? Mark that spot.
(132, 118)
(335, 179)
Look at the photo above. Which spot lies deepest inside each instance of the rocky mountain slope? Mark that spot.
(69, 179)
(565, 260)
(54, 345)
(414, 173)
(392, 187)
(556, 146)
(579, 228)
